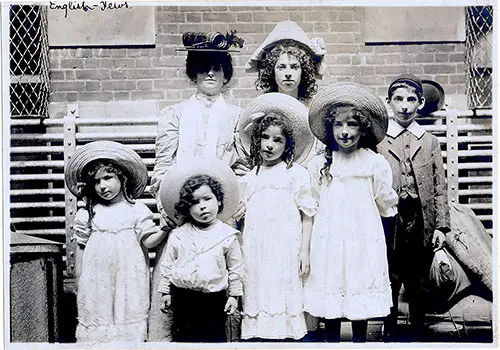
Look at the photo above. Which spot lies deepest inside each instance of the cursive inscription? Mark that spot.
(86, 7)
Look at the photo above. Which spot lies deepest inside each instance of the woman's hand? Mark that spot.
(241, 167)
(231, 305)
(240, 211)
(304, 264)
(166, 302)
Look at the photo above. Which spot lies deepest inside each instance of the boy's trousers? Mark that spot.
(409, 259)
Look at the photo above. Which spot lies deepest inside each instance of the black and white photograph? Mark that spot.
(250, 174)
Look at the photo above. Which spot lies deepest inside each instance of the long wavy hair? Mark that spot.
(367, 139)
(271, 119)
(88, 193)
(266, 81)
(186, 200)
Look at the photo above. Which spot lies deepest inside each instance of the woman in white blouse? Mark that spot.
(201, 127)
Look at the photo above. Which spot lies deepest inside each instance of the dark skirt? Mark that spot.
(198, 316)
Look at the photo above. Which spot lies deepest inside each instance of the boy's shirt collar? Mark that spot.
(394, 129)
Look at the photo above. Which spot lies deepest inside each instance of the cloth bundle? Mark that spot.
(447, 281)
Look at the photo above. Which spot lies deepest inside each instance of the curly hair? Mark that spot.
(271, 119)
(367, 138)
(88, 193)
(198, 62)
(266, 81)
(186, 200)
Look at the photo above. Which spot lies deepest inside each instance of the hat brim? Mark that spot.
(352, 94)
(284, 105)
(434, 97)
(177, 175)
(205, 50)
(116, 152)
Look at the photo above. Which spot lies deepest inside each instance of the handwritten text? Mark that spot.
(86, 7)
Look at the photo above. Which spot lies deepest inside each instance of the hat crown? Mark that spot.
(409, 79)
(349, 93)
(211, 40)
(289, 30)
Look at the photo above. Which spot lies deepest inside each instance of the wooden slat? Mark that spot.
(47, 232)
(475, 166)
(36, 192)
(37, 164)
(35, 205)
(476, 179)
(36, 149)
(38, 219)
(478, 206)
(37, 177)
(35, 122)
(475, 139)
(116, 121)
(117, 136)
(476, 153)
(37, 137)
(475, 192)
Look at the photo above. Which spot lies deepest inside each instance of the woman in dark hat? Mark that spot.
(202, 126)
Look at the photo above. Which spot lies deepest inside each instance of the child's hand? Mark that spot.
(166, 301)
(304, 264)
(171, 223)
(231, 305)
(438, 239)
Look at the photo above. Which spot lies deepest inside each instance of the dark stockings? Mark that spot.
(359, 329)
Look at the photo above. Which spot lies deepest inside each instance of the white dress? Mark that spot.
(349, 271)
(113, 289)
(272, 237)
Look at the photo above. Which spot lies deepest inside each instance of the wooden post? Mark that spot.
(452, 154)
(69, 198)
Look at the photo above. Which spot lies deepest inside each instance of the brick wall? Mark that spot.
(117, 74)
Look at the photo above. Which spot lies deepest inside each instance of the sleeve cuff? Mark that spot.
(164, 286)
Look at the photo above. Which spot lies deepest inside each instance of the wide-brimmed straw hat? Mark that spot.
(354, 94)
(286, 106)
(177, 175)
(434, 97)
(115, 152)
(289, 30)
(211, 41)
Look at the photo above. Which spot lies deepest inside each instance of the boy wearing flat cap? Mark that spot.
(423, 215)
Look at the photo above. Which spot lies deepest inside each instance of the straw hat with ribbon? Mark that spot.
(211, 41)
(177, 175)
(284, 105)
(289, 30)
(115, 152)
(354, 94)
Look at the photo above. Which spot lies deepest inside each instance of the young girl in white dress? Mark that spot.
(349, 271)
(112, 232)
(278, 218)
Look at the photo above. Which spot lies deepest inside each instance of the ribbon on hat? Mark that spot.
(318, 46)
(254, 117)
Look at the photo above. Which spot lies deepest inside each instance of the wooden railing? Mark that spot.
(40, 204)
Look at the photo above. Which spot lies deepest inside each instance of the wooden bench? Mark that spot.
(40, 205)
